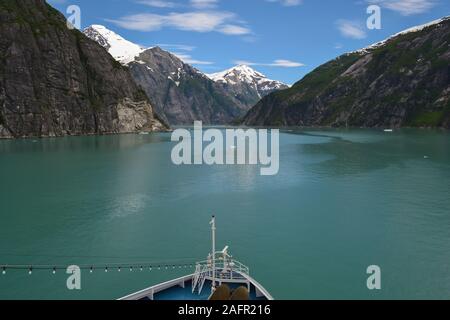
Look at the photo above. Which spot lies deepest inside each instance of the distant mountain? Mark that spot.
(55, 81)
(402, 81)
(247, 84)
(180, 93)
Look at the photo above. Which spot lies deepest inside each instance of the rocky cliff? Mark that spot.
(402, 81)
(55, 81)
(181, 93)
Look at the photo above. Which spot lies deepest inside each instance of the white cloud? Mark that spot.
(281, 63)
(198, 21)
(157, 3)
(288, 3)
(189, 60)
(234, 30)
(286, 64)
(204, 4)
(140, 22)
(406, 7)
(182, 47)
(181, 51)
(245, 62)
(351, 29)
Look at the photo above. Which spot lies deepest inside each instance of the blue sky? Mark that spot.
(284, 39)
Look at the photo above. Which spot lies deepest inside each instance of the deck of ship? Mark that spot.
(185, 294)
(181, 289)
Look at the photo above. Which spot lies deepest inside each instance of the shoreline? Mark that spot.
(284, 128)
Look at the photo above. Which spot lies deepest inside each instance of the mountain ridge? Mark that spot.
(401, 81)
(244, 74)
(403, 32)
(180, 92)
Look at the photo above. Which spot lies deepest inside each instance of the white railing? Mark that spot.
(225, 268)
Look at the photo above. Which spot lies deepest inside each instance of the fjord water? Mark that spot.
(343, 200)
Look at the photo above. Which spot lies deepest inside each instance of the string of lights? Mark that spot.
(187, 264)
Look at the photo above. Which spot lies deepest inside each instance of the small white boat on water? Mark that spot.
(219, 277)
(388, 130)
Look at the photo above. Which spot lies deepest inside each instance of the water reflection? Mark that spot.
(85, 143)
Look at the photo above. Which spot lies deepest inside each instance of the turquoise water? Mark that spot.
(343, 200)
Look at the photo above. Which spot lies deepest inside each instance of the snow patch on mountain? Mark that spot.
(409, 30)
(121, 49)
(244, 74)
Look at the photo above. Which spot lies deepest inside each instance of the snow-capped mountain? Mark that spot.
(121, 49)
(243, 75)
(180, 93)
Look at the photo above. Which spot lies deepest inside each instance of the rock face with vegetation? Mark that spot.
(403, 81)
(182, 94)
(55, 81)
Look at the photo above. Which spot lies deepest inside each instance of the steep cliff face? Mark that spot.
(55, 81)
(403, 81)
